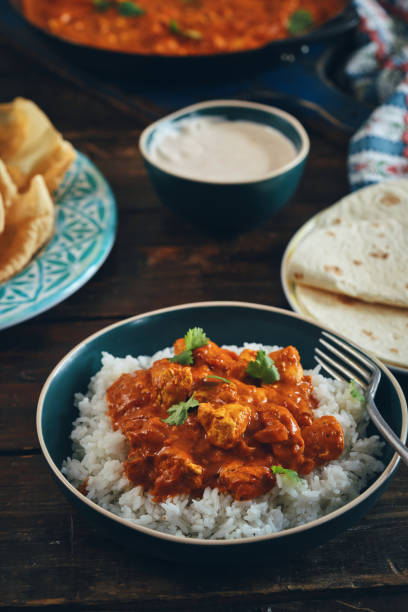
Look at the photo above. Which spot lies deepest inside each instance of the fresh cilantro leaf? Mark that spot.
(130, 9)
(185, 358)
(101, 5)
(179, 412)
(300, 22)
(264, 368)
(278, 469)
(355, 392)
(194, 338)
(219, 378)
(175, 28)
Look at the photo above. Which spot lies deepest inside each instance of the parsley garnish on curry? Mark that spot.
(221, 420)
(179, 27)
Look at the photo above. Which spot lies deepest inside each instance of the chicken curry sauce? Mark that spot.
(212, 418)
(179, 27)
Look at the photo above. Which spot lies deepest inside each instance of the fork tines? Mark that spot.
(347, 368)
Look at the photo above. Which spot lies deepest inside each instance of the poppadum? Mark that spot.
(29, 224)
(30, 145)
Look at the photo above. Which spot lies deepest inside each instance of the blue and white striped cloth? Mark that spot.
(378, 74)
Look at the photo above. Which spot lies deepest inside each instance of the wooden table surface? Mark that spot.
(51, 559)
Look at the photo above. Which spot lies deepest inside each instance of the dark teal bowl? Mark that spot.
(227, 323)
(228, 206)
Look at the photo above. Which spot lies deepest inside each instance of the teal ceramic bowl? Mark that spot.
(229, 323)
(227, 206)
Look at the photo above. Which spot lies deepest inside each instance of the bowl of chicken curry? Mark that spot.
(204, 431)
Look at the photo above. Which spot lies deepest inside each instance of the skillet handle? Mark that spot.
(305, 86)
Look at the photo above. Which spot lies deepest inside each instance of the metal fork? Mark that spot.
(367, 377)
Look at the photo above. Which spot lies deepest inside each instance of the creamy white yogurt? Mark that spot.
(219, 150)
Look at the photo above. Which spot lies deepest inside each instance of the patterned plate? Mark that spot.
(84, 235)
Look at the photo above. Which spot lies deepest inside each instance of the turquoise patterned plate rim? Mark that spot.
(84, 235)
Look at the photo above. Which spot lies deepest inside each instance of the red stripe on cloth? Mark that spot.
(405, 134)
(373, 35)
(395, 10)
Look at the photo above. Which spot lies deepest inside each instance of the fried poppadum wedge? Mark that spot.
(8, 192)
(2, 215)
(29, 224)
(30, 145)
(13, 128)
(8, 189)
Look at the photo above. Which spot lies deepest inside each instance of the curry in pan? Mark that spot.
(179, 27)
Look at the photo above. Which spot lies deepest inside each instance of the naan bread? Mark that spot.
(28, 226)
(374, 203)
(359, 247)
(366, 260)
(30, 145)
(350, 272)
(382, 330)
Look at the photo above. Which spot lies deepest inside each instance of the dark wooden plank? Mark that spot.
(28, 353)
(51, 556)
(364, 602)
(61, 99)
(398, 603)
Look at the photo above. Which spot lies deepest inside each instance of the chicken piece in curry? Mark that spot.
(234, 429)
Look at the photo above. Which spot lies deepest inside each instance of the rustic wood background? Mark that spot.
(50, 558)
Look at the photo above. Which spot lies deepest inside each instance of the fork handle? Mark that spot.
(386, 431)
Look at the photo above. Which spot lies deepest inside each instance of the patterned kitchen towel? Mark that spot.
(378, 75)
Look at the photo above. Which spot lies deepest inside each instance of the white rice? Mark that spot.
(98, 453)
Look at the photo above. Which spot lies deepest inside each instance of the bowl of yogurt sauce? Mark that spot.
(226, 164)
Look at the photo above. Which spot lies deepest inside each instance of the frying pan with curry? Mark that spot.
(112, 36)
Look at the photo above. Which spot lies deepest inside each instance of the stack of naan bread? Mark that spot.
(350, 271)
(33, 160)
